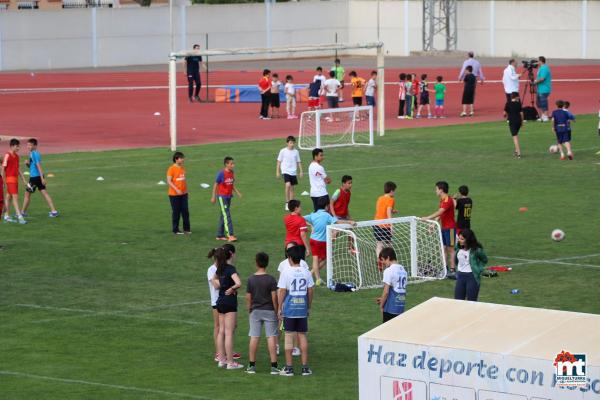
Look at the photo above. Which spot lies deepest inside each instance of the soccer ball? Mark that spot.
(557, 235)
(553, 149)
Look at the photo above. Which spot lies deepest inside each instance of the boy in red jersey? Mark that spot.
(341, 199)
(445, 214)
(264, 85)
(295, 228)
(11, 174)
(223, 189)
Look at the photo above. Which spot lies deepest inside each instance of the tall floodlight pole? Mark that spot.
(171, 35)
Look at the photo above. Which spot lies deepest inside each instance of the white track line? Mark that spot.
(105, 385)
(93, 313)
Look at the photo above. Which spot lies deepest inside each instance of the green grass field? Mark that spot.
(105, 303)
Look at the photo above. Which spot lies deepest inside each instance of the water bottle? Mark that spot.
(515, 291)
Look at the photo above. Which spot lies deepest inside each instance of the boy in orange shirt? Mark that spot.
(384, 209)
(178, 194)
(11, 174)
(358, 88)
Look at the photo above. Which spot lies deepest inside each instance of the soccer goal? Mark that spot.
(350, 126)
(352, 250)
(280, 52)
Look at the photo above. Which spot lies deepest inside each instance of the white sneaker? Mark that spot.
(22, 220)
(235, 365)
(545, 119)
(9, 219)
(222, 364)
(296, 352)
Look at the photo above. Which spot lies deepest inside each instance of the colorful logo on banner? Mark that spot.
(570, 369)
(402, 390)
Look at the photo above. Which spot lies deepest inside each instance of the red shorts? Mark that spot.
(313, 103)
(12, 188)
(318, 249)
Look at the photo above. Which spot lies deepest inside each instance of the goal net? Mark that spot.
(335, 127)
(352, 250)
(268, 55)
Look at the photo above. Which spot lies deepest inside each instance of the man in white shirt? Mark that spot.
(332, 90)
(288, 164)
(318, 178)
(320, 77)
(510, 79)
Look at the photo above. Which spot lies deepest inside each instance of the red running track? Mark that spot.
(92, 117)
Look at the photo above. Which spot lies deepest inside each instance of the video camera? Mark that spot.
(530, 64)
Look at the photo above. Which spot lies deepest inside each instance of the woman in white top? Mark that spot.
(470, 259)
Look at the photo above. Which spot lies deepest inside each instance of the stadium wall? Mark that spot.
(74, 38)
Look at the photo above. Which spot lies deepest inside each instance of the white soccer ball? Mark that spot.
(553, 149)
(557, 235)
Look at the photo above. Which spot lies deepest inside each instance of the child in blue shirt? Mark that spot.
(36, 179)
(561, 128)
(392, 300)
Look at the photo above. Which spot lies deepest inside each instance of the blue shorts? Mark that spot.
(439, 102)
(563, 137)
(370, 100)
(449, 237)
(299, 325)
(542, 101)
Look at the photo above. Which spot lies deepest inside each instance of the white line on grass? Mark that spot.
(105, 385)
(92, 313)
(555, 261)
(374, 167)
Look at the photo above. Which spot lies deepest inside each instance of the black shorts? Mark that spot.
(357, 101)
(214, 307)
(301, 246)
(36, 183)
(226, 308)
(388, 316)
(292, 179)
(295, 325)
(514, 128)
(275, 100)
(382, 234)
(424, 98)
(315, 201)
(332, 101)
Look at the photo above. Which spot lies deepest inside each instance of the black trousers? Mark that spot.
(466, 287)
(315, 201)
(179, 207)
(194, 78)
(401, 108)
(265, 99)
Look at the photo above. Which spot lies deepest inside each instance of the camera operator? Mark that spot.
(544, 87)
(510, 79)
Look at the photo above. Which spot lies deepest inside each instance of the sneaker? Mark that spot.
(24, 214)
(265, 118)
(290, 117)
(429, 116)
(563, 158)
(237, 356)
(471, 114)
(286, 371)
(51, 214)
(222, 364)
(261, 117)
(197, 98)
(545, 119)
(274, 371)
(178, 233)
(306, 371)
(231, 238)
(408, 117)
(191, 100)
(235, 365)
(418, 116)
(442, 116)
(22, 221)
(9, 219)
(570, 156)
(187, 232)
(251, 369)
(217, 357)
(400, 117)
(296, 352)
(463, 114)
(221, 238)
(319, 282)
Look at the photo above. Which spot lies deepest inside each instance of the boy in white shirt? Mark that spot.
(275, 89)
(392, 300)
(290, 97)
(318, 178)
(295, 294)
(332, 90)
(288, 164)
(370, 91)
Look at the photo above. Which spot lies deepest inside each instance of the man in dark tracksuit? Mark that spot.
(193, 75)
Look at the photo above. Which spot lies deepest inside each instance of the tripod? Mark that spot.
(529, 88)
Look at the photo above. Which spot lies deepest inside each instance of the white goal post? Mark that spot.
(310, 49)
(335, 127)
(352, 250)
